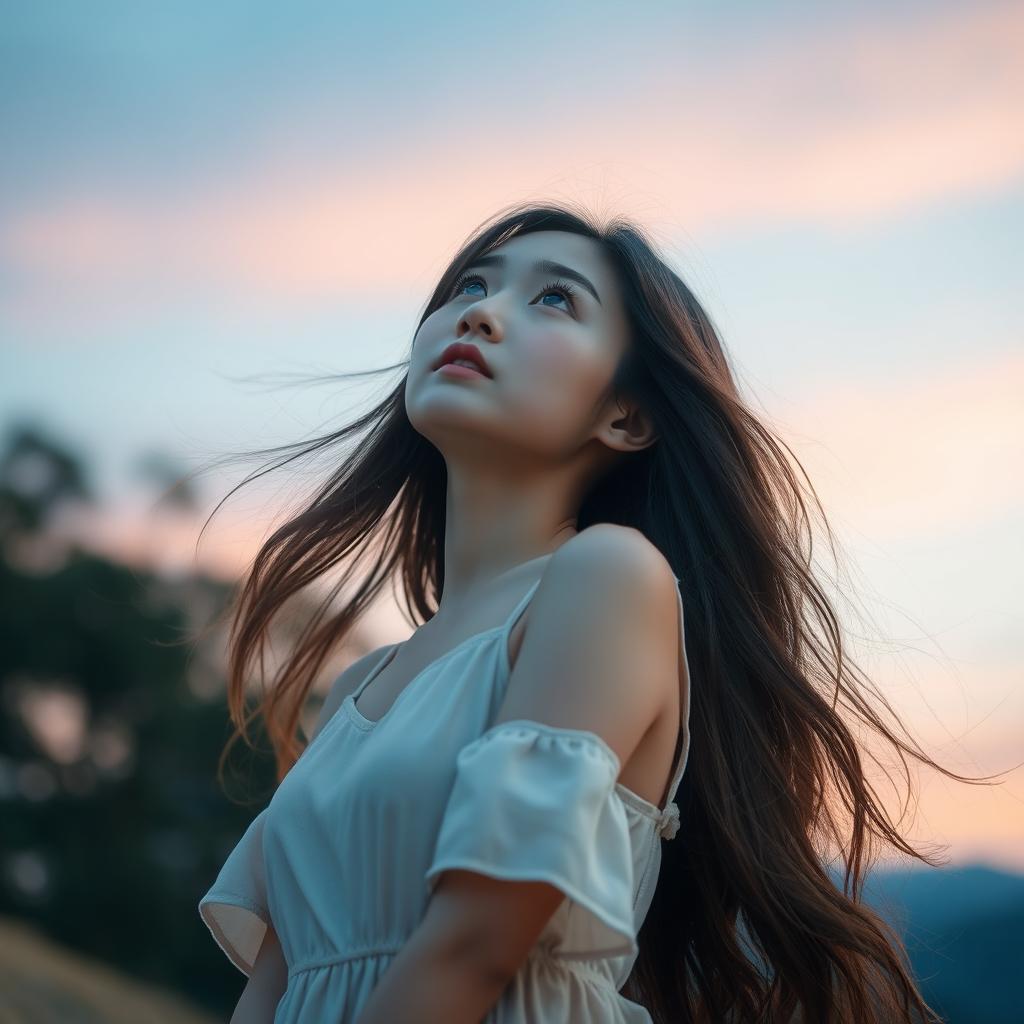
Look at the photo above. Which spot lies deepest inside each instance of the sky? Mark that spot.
(199, 201)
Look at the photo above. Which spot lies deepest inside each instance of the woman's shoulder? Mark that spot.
(609, 543)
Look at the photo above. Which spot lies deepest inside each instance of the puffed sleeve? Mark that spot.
(235, 907)
(535, 802)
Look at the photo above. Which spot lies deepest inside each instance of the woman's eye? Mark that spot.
(556, 292)
(464, 282)
(558, 288)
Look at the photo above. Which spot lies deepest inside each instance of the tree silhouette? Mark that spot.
(114, 824)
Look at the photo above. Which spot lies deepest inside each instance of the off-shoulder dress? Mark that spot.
(345, 855)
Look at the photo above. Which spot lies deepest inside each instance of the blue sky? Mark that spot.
(192, 195)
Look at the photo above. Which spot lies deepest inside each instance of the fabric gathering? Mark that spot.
(346, 854)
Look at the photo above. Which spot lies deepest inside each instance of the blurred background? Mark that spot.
(202, 204)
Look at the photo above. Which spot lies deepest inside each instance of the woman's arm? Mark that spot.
(434, 981)
(265, 986)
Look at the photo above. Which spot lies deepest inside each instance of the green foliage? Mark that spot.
(110, 839)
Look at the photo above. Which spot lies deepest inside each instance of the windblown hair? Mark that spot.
(746, 923)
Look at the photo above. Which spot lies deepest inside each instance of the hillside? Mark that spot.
(45, 984)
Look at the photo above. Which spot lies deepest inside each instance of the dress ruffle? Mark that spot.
(535, 802)
(235, 907)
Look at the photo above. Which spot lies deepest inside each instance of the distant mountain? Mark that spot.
(964, 931)
(938, 897)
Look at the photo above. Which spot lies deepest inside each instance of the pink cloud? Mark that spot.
(839, 125)
(919, 458)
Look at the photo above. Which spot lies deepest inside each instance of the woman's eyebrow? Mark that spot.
(544, 266)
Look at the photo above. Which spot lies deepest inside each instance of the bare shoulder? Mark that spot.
(601, 650)
(611, 547)
(617, 580)
(345, 684)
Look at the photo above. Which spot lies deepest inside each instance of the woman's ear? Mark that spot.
(629, 429)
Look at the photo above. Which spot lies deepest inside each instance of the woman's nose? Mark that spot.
(479, 319)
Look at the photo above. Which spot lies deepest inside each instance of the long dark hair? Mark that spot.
(746, 923)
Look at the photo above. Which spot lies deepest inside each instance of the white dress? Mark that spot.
(344, 856)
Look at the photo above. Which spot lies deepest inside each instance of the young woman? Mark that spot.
(491, 820)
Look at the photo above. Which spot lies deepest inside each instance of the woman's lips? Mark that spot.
(455, 370)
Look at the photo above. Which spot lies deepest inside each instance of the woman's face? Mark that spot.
(551, 353)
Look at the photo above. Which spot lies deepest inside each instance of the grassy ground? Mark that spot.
(42, 983)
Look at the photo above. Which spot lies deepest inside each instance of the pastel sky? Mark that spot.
(193, 196)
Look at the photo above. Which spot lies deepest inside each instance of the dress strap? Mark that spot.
(510, 622)
(669, 823)
(387, 654)
(390, 650)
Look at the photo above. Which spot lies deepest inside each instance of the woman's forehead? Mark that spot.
(556, 245)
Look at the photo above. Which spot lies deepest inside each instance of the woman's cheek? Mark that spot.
(550, 356)
(554, 379)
